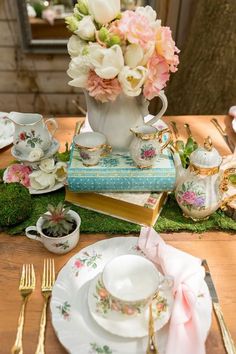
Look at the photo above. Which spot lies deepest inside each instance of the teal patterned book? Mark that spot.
(118, 173)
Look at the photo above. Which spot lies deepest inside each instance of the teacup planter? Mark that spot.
(58, 229)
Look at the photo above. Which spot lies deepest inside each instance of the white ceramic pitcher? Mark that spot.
(31, 132)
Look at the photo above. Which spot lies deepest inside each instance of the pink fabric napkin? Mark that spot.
(185, 335)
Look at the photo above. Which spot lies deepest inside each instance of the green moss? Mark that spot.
(15, 204)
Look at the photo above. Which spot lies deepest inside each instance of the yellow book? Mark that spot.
(139, 208)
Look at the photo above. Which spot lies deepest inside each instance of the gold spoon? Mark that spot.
(151, 347)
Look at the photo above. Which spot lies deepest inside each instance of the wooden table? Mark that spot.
(217, 247)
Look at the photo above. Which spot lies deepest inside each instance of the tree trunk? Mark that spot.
(206, 80)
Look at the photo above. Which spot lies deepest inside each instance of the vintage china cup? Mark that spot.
(31, 132)
(58, 245)
(92, 146)
(147, 145)
(131, 282)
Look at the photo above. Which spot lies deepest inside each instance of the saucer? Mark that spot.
(57, 186)
(6, 130)
(123, 324)
(47, 153)
(76, 329)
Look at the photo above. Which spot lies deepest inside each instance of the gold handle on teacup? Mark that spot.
(107, 150)
(54, 124)
(160, 137)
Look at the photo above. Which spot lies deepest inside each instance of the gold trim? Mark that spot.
(206, 171)
(224, 185)
(94, 148)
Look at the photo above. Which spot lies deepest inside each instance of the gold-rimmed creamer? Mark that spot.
(147, 145)
(91, 146)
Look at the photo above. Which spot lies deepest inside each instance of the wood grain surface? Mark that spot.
(217, 247)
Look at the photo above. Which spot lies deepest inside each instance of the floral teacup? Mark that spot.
(131, 282)
(92, 146)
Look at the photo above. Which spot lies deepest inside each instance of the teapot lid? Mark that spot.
(207, 156)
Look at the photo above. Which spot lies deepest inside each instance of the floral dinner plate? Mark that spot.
(121, 324)
(71, 318)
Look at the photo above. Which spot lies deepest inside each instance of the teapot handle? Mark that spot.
(224, 186)
(160, 136)
(164, 101)
(54, 124)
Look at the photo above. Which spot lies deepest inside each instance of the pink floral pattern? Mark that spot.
(86, 260)
(191, 196)
(30, 138)
(148, 152)
(18, 173)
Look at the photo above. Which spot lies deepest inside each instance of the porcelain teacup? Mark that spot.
(131, 282)
(91, 146)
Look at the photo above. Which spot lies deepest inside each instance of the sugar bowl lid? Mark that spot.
(207, 156)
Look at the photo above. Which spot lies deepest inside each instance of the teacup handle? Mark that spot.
(166, 130)
(107, 149)
(166, 283)
(54, 124)
(164, 101)
(32, 236)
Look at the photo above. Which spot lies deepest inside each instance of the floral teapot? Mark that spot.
(200, 188)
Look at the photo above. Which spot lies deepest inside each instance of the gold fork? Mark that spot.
(26, 287)
(46, 288)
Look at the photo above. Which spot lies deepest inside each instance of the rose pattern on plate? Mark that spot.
(64, 310)
(160, 306)
(84, 155)
(89, 260)
(30, 138)
(148, 152)
(62, 245)
(100, 349)
(105, 303)
(191, 196)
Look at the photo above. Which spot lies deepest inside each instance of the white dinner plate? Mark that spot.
(6, 130)
(71, 318)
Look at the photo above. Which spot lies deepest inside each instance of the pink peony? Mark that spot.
(103, 90)
(135, 28)
(165, 47)
(158, 75)
(18, 173)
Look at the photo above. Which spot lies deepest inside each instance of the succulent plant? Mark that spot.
(58, 222)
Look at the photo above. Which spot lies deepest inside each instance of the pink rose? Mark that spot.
(78, 263)
(18, 173)
(103, 293)
(189, 197)
(128, 310)
(22, 136)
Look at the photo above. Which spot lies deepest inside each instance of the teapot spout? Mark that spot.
(180, 171)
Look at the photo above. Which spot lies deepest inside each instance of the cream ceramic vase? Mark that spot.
(114, 119)
(200, 188)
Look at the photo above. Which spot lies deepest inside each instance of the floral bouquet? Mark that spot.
(113, 52)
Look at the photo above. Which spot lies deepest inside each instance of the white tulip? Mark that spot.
(86, 28)
(132, 80)
(61, 171)
(35, 154)
(47, 165)
(135, 55)
(78, 70)
(104, 11)
(107, 62)
(76, 46)
(41, 180)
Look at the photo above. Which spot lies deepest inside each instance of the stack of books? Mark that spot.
(118, 188)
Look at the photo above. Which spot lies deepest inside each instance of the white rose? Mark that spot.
(76, 46)
(47, 165)
(150, 14)
(135, 55)
(104, 11)
(35, 154)
(132, 80)
(41, 180)
(60, 171)
(86, 28)
(107, 62)
(78, 70)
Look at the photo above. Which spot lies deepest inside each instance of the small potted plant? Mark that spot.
(58, 229)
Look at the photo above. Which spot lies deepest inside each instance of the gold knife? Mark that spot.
(229, 143)
(227, 339)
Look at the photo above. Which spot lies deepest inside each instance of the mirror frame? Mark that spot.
(44, 46)
(30, 45)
